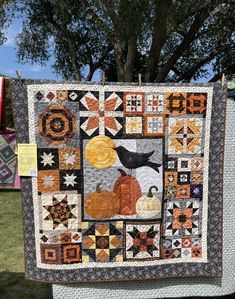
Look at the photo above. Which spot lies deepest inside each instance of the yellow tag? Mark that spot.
(27, 159)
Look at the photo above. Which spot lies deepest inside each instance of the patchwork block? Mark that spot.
(48, 159)
(101, 116)
(196, 103)
(142, 241)
(182, 218)
(56, 124)
(154, 125)
(155, 103)
(176, 103)
(60, 211)
(51, 254)
(185, 135)
(69, 158)
(125, 186)
(133, 103)
(134, 125)
(102, 242)
(48, 180)
(181, 248)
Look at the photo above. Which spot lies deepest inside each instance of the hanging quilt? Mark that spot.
(9, 178)
(129, 182)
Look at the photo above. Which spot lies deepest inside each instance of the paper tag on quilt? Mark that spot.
(27, 159)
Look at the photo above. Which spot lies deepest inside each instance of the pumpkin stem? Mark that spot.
(122, 172)
(150, 192)
(98, 189)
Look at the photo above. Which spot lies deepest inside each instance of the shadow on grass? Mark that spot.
(13, 285)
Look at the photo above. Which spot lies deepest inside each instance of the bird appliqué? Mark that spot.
(133, 160)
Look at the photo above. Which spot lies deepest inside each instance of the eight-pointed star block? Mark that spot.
(142, 240)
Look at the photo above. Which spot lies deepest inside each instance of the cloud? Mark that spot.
(36, 68)
(10, 34)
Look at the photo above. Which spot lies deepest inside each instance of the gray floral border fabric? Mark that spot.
(213, 266)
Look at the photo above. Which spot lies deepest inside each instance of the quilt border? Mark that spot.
(214, 265)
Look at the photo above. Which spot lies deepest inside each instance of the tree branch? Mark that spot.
(187, 40)
(229, 71)
(101, 24)
(94, 66)
(66, 34)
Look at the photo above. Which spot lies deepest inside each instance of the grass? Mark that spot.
(13, 285)
(12, 281)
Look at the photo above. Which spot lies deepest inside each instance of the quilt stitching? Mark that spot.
(103, 120)
(195, 175)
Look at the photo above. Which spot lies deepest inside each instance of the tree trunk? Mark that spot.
(158, 38)
(119, 61)
(130, 59)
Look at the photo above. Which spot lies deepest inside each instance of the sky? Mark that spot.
(9, 63)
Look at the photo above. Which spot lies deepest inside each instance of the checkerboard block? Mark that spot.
(181, 248)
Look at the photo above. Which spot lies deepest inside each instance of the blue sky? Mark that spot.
(9, 63)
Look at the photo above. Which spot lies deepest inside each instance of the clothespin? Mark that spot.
(223, 79)
(139, 79)
(103, 78)
(19, 75)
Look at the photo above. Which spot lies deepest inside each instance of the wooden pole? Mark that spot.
(139, 79)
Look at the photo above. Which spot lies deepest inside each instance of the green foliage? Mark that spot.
(6, 13)
(9, 116)
(165, 40)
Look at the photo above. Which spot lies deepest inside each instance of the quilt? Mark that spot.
(8, 162)
(129, 182)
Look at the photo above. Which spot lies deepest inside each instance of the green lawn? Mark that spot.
(12, 282)
(13, 285)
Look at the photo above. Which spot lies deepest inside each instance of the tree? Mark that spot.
(5, 17)
(164, 40)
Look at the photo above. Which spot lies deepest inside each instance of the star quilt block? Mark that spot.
(154, 125)
(134, 103)
(142, 241)
(129, 180)
(155, 103)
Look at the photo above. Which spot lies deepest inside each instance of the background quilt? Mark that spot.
(9, 178)
(129, 180)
